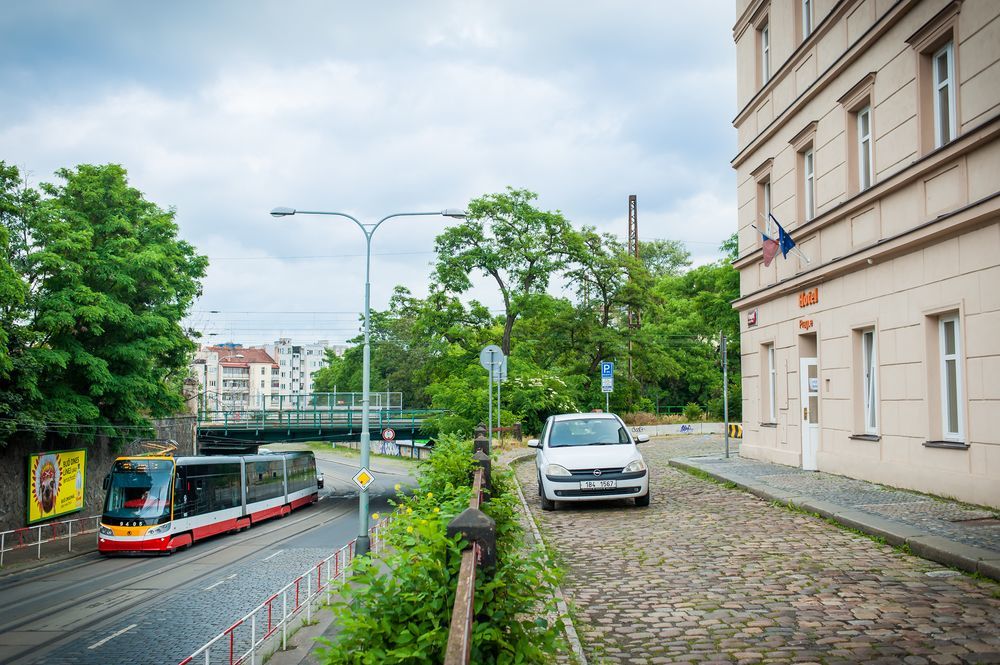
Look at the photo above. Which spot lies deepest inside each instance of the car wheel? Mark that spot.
(546, 503)
(643, 500)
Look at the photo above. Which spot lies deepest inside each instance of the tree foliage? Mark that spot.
(429, 348)
(100, 283)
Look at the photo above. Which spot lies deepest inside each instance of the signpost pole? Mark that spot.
(725, 393)
(499, 381)
(489, 420)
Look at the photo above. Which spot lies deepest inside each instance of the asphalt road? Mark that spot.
(160, 609)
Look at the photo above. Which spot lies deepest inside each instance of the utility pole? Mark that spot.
(633, 250)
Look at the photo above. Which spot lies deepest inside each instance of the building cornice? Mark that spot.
(987, 131)
(968, 217)
(853, 52)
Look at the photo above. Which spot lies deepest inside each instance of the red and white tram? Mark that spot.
(158, 503)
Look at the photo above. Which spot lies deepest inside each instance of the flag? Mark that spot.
(770, 249)
(785, 242)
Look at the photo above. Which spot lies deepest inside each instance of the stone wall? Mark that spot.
(100, 455)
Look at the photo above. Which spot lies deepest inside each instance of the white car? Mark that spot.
(589, 457)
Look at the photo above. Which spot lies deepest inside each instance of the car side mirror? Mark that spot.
(534, 443)
(642, 438)
(106, 483)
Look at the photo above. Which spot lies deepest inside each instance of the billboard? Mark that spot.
(55, 483)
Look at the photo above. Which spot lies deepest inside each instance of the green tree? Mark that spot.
(506, 238)
(101, 343)
(664, 257)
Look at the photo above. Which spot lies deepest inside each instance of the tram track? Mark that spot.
(265, 538)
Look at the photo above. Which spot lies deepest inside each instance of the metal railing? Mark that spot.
(333, 417)
(46, 533)
(247, 640)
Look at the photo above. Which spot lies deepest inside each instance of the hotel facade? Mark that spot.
(870, 129)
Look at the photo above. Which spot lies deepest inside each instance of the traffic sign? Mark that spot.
(607, 370)
(388, 434)
(607, 384)
(489, 356)
(500, 370)
(363, 478)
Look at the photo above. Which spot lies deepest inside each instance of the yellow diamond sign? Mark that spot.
(364, 478)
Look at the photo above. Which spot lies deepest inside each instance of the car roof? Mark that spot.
(583, 416)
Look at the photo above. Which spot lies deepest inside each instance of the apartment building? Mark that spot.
(870, 129)
(234, 377)
(297, 363)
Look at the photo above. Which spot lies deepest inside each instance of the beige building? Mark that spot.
(871, 130)
(234, 378)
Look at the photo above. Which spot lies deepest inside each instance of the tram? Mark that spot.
(158, 503)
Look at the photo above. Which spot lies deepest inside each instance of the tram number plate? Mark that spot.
(598, 484)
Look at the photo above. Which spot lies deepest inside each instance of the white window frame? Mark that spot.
(809, 182)
(866, 176)
(947, 84)
(772, 382)
(951, 431)
(765, 53)
(869, 379)
(807, 19)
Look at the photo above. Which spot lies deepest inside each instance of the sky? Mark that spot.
(224, 110)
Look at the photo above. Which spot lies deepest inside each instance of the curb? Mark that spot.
(968, 558)
(571, 634)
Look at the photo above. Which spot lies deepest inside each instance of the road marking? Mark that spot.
(212, 586)
(112, 636)
(268, 558)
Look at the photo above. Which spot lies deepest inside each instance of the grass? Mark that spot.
(324, 446)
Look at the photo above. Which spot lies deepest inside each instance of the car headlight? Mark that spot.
(156, 530)
(557, 470)
(105, 531)
(636, 465)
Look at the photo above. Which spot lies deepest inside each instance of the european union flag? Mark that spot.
(785, 242)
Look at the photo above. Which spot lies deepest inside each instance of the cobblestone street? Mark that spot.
(713, 574)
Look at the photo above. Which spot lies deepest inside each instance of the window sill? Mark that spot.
(952, 445)
(769, 424)
(865, 437)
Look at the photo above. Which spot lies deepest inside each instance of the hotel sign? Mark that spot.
(807, 298)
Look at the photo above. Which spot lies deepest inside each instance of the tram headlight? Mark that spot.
(157, 530)
(105, 531)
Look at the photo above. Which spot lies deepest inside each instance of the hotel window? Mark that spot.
(768, 385)
(764, 37)
(762, 176)
(866, 174)
(869, 380)
(951, 377)
(943, 72)
(809, 184)
(938, 65)
(807, 18)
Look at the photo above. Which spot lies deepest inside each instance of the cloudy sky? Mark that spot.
(226, 109)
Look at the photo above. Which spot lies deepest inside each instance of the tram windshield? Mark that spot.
(139, 488)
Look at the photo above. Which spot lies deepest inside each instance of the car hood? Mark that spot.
(592, 457)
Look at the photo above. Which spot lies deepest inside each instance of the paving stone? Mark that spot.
(710, 574)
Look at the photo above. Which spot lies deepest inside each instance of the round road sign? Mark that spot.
(388, 434)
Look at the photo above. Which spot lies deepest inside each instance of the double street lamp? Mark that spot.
(364, 542)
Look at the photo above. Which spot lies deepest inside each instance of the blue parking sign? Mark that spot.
(607, 370)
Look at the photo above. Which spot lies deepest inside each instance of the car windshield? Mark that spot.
(588, 432)
(139, 488)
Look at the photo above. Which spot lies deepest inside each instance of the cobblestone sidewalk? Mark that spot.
(709, 574)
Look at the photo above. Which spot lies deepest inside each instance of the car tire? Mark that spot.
(547, 504)
(643, 501)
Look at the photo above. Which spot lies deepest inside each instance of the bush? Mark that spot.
(693, 412)
(398, 609)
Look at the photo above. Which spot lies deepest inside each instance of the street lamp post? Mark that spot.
(364, 542)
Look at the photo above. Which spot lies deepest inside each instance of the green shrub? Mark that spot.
(693, 412)
(398, 609)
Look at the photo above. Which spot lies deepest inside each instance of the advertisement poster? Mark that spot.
(55, 483)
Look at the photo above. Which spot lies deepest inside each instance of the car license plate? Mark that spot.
(598, 484)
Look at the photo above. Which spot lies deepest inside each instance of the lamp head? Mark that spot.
(455, 213)
(282, 212)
